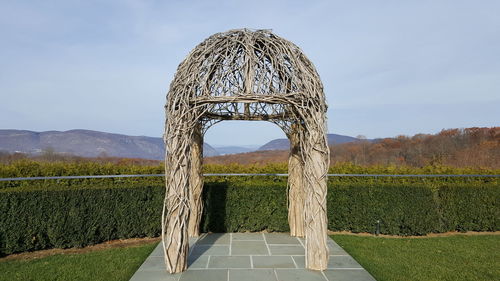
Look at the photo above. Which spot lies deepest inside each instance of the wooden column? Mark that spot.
(196, 183)
(315, 181)
(296, 192)
(176, 206)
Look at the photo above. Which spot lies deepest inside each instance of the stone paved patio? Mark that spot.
(249, 257)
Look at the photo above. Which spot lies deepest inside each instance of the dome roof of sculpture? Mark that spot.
(246, 62)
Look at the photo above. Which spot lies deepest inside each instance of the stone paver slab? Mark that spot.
(229, 262)
(195, 262)
(273, 262)
(249, 248)
(214, 239)
(204, 275)
(280, 238)
(299, 275)
(252, 275)
(286, 250)
(247, 236)
(300, 261)
(219, 250)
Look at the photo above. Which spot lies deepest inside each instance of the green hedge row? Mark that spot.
(238, 206)
(34, 220)
(414, 209)
(40, 219)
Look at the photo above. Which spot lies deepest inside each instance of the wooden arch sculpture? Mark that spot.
(245, 75)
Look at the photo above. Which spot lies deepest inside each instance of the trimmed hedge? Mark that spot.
(74, 218)
(41, 219)
(465, 208)
(244, 206)
(401, 210)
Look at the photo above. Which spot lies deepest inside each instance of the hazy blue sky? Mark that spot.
(388, 67)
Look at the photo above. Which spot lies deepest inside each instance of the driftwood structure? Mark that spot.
(245, 75)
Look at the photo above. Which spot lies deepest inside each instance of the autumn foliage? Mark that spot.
(470, 147)
(458, 148)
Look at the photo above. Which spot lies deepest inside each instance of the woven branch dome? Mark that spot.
(245, 63)
(245, 75)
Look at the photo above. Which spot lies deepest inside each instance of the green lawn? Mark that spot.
(109, 264)
(445, 258)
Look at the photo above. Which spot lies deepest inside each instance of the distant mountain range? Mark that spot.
(223, 150)
(284, 144)
(89, 143)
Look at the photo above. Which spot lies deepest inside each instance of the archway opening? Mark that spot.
(246, 134)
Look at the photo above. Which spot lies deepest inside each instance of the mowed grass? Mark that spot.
(458, 257)
(108, 264)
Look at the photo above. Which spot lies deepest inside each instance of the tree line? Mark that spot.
(469, 147)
